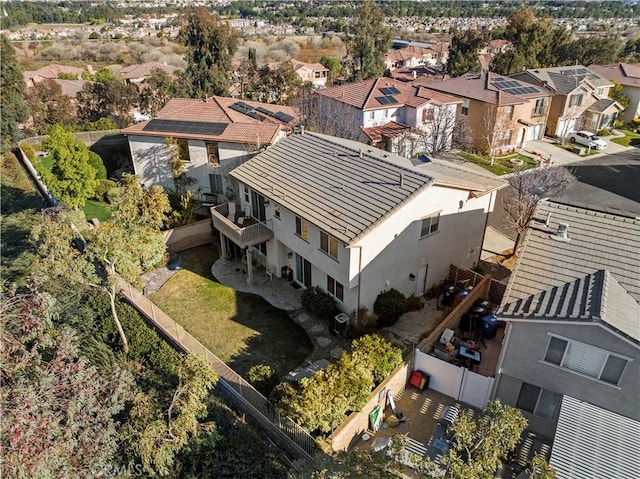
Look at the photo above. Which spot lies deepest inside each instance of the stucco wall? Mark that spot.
(358, 422)
(188, 236)
(523, 355)
(633, 110)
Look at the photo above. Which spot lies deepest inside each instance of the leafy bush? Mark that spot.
(28, 150)
(389, 306)
(319, 303)
(103, 189)
(414, 303)
(378, 354)
(96, 162)
(604, 132)
(365, 323)
(262, 377)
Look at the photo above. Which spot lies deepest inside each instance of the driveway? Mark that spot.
(560, 156)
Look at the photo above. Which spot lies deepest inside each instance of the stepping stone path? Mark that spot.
(303, 318)
(336, 353)
(317, 329)
(323, 342)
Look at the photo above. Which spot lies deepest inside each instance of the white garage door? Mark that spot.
(534, 132)
(566, 126)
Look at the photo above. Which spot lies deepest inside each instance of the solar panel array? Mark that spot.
(189, 127)
(575, 72)
(389, 90)
(513, 87)
(248, 110)
(386, 100)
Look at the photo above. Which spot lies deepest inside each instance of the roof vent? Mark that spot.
(546, 223)
(361, 153)
(401, 180)
(561, 233)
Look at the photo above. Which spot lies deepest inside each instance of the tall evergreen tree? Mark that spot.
(368, 42)
(463, 51)
(210, 44)
(12, 89)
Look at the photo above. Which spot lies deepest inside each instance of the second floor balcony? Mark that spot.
(242, 230)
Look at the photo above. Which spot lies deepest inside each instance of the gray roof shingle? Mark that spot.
(326, 182)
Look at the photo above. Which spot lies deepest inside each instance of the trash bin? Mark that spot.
(340, 323)
(490, 325)
(448, 295)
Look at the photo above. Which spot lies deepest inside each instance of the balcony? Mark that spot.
(238, 230)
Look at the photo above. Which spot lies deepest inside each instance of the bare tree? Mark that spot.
(441, 130)
(569, 122)
(527, 189)
(495, 123)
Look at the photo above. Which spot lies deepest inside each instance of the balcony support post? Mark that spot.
(223, 248)
(249, 267)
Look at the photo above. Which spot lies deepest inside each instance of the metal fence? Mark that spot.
(281, 429)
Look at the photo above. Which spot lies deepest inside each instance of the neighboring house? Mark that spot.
(140, 72)
(580, 99)
(411, 56)
(501, 113)
(51, 72)
(496, 46)
(627, 75)
(213, 136)
(420, 75)
(313, 73)
(573, 319)
(396, 116)
(355, 220)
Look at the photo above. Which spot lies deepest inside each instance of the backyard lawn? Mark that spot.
(242, 329)
(630, 138)
(95, 209)
(501, 165)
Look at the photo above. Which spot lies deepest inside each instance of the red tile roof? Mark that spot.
(364, 95)
(52, 71)
(627, 74)
(387, 131)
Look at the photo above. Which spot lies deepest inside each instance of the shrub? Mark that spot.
(365, 323)
(604, 132)
(28, 150)
(414, 303)
(263, 378)
(96, 162)
(319, 303)
(376, 353)
(389, 306)
(103, 188)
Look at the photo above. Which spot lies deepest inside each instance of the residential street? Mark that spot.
(607, 181)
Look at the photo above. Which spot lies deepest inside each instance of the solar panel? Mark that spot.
(283, 117)
(239, 108)
(387, 99)
(265, 111)
(389, 90)
(190, 127)
(391, 99)
(530, 89)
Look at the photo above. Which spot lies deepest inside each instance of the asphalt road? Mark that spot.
(608, 182)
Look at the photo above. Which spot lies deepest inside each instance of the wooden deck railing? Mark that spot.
(242, 236)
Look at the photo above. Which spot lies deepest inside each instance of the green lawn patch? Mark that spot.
(575, 145)
(96, 209)
(630, 138)
(501, 165)
(242, 329)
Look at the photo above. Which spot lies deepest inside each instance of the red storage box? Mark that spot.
(419, 380)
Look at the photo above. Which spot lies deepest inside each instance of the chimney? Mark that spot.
(361, 153)
(546, 223)
(401, 180)
(562, 230)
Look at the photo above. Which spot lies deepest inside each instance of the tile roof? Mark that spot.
(593, 443)
(325, 181)
(596, 297)
(407, 53)
(71, 87)
(365, 95)
(564, 80)
(316, 67)
(480, 86)
(424, 74)
(627, 74)
(603, 105)
(52, 71)
(597, 241)
(390, 130)
(145, 69)
(240, 128)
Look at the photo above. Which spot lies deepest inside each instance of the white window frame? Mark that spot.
(303, 231)
(595, 350)
(372, 115)
(431, 225)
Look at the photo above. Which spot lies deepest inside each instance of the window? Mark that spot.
(504, 138)
(372, 115)
(276, 210)
(183, 149)
(575, 100)
(385, 113)
(538, 401)
(585, 359)
(212, 153)
(508, 112)
(335, 289)
(427, 114)
(465, 107)
(430, 225)
(329, 244)
(246, 195)
(302, 228)
(539, 109)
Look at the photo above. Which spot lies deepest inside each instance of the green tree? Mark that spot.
(334, 65)
(618, 95)
(368, 41)
(12, 90)
(113, 100)
(73, 179)
(210, 44)
(157, 90)
(274, 85)
(107, 76)
(588, 50)
(463, 51)
(49, 106)
(58, 412)
(378, 354)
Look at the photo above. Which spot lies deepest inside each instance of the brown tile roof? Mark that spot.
(316, 67)
(387, 131)
(52, 71)
(627, 74)
(240, 128)
(480, 87)
(364, 95)
(71, 87)
(145, 69)
(424, 73)
(410, 52)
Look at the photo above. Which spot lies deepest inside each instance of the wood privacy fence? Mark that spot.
(280, 429)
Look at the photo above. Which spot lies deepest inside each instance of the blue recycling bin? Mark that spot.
(490, 325)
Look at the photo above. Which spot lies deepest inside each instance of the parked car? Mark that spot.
(587, 138)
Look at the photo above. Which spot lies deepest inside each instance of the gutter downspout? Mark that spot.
(359, 280)
(498, 372)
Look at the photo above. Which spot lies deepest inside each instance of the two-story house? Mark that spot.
(314, 73)
(501, 113)
(411, 56)
(572, 340)
(355, 220)
(627, 75)
(393, 115)
(141, 71)
(212, 137)
(580, 99)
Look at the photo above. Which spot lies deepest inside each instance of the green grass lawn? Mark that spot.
(95, 209)
(242, 329)
(501, 165)
(571, 146)
(630, 138)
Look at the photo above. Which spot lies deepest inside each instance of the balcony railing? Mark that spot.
(243, 236)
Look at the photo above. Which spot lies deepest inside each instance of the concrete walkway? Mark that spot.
(495, 242)
(560, 156)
